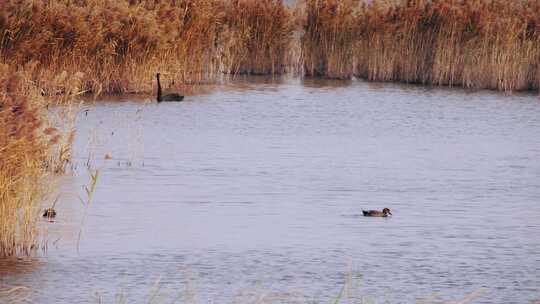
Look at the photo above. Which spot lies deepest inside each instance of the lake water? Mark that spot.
(252, 192)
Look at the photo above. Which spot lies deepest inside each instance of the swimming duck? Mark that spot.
(377, 213)
(49, 213)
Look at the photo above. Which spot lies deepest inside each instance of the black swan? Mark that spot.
(166, 97)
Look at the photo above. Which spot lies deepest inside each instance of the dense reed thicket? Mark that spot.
(119, 45)
(260, 35)
(492, 44)
(31, 149)
(330, 35)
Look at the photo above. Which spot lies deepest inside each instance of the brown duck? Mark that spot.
(49, 213)
(384, 213)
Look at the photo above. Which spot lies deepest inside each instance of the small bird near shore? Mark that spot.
(166, 97)
(49, 213)
(384, 213)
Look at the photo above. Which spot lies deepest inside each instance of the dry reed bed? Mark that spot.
(119, 45)
(328, 43)
(493, 44)
(259, 37)
(31, 149)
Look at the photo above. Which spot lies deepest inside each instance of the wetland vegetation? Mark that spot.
(54, 52)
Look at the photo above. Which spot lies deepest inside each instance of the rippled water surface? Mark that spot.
(254, 190)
